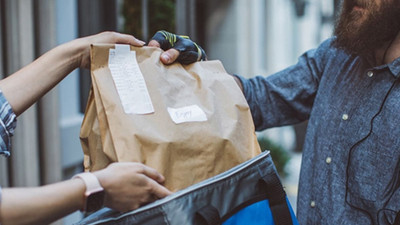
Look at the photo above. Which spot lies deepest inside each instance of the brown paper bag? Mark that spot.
(185, 153)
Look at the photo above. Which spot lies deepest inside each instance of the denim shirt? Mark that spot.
(350, 165)
(8, 122)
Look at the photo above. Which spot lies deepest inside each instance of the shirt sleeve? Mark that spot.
(8, 122)
(286, 97)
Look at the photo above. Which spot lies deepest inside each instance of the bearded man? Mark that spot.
(349, 90)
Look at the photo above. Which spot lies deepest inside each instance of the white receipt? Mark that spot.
(191, 113)
(129, 81)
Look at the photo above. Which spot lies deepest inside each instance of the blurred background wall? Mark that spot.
(250, 37)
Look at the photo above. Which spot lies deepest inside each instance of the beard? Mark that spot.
(360, 32)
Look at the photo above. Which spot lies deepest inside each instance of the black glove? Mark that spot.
(189, 51)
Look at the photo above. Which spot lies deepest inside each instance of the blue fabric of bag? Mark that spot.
(258, 213)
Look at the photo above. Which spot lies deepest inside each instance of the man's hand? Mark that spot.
(130, 185)
(177, 48)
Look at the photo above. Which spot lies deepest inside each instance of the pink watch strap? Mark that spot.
(91, 182)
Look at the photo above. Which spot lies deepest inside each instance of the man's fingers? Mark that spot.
(154, 43)
(169, 56)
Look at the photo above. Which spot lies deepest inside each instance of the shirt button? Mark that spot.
(345, 116)
(370, 74)
(328, 160)
(312, 204)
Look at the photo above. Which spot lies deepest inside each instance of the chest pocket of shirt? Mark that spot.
(373, 172)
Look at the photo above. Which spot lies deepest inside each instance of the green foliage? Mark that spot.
(161, 16)
(279, 155)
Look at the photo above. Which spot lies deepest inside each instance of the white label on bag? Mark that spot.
(129, 81)
(191, 113)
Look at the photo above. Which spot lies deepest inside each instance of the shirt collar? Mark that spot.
(394, 67)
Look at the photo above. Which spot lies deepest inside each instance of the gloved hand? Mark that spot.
(177, 48)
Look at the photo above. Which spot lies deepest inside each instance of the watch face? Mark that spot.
(95, 201)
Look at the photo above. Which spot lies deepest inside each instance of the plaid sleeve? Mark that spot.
(8, 121)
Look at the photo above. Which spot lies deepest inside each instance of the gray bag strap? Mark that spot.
(277, 200)
(208, 215)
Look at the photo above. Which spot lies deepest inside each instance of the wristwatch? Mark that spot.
(94, 194)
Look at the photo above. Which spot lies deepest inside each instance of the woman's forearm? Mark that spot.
(127, 186)
(41, 205)
(26, 86)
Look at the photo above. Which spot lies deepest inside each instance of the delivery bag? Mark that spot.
(250, 193)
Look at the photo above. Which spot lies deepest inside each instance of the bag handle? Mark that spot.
(277, 200)
(208, 215)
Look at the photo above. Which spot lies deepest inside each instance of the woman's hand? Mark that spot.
(129, 185)
(104, 37)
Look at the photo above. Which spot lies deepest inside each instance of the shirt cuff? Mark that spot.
(244, 83)
(8, 122)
